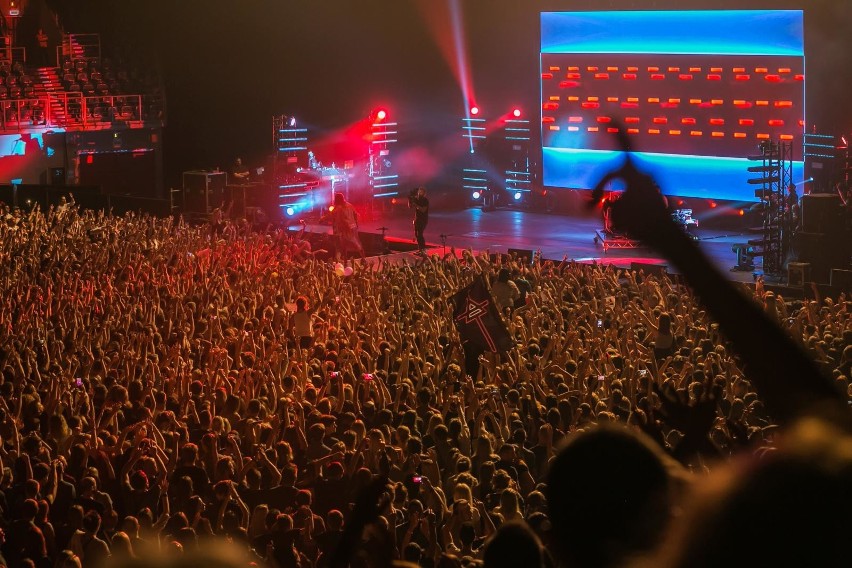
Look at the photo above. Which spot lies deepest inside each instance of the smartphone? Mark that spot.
(600, 323)
(601, 378)
(78, 382)
(643, 372)
(334, 374)
(367, 376)
(417, 479)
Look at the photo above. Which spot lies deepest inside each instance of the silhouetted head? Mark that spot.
(608, 495)
(513, 545)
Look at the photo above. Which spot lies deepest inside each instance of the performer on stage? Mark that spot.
(239, 173)
(344, 224)
(420, 203)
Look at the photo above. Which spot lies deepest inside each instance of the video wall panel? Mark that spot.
(697, 92)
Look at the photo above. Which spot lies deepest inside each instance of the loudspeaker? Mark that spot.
(841, 279)
(374, 243)
(523, 255)
(809, 248)
(798, 273)
(649, 269)
(821, 213)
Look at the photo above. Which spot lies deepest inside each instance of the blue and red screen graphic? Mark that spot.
(697, 93)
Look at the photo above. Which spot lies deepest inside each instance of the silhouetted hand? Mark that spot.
(694, 419)
(640, 211)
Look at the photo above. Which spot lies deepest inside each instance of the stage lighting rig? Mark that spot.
(384, 182)
(517, 136)
(475, 171)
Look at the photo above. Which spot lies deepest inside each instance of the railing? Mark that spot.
(17, 114)
(73, 111)
(81, 46)
(13, 54)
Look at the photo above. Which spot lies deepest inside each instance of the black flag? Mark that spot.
(478, 321)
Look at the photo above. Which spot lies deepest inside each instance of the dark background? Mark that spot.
(227, 66)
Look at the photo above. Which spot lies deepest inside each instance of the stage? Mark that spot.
(556, 236)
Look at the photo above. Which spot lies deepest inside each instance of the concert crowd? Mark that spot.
(168, 389)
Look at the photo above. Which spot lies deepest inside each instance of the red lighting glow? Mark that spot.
(516, 113)
(474, 110)
(381, 114)
(713, 205)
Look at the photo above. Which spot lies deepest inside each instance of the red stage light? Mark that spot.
(516, 113)
(712, 205)
(742, 213)
(474, 110)
(381, 114)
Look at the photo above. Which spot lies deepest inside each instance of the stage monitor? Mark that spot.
(696, 91)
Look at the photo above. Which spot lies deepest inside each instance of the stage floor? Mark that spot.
(556, 235)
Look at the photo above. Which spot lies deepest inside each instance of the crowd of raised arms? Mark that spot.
(168, 390)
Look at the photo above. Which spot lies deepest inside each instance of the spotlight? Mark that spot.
(474, 110)
(477, 195)
(292, 121)
(290, 211)
(516, 113)
(517, 196)
(713, 205)
(381, 114)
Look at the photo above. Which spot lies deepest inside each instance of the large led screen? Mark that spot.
(698, 92)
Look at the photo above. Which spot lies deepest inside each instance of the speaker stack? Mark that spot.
(822, 243)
